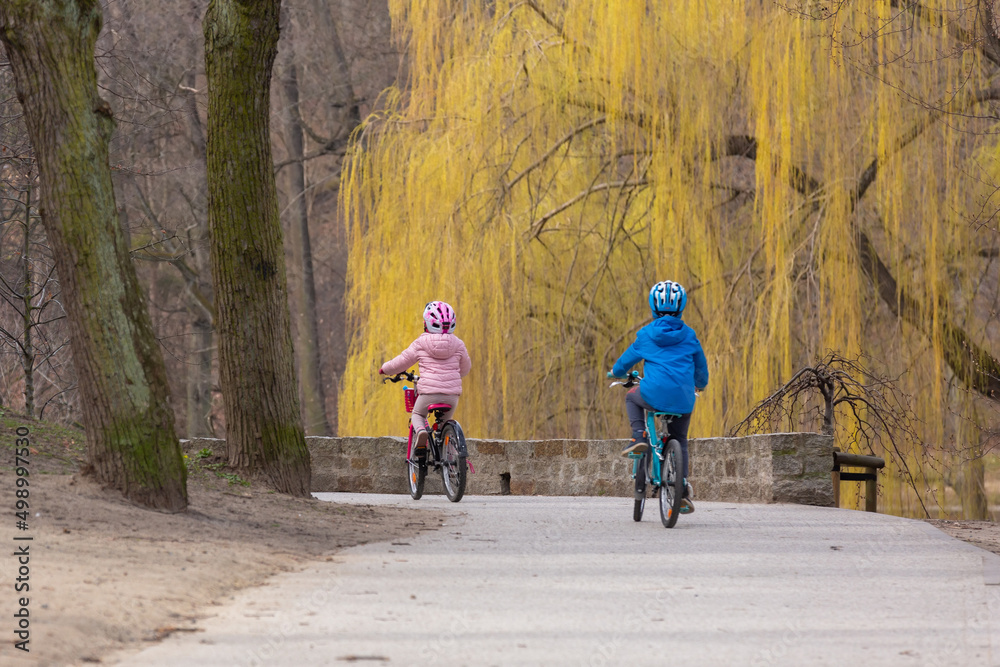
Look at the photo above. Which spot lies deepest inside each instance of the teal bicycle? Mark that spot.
(659, 467)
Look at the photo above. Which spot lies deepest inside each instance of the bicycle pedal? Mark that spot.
(633, 455)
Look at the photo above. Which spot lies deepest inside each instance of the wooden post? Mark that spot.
(835, 476)
(871, 491)
(870, 465)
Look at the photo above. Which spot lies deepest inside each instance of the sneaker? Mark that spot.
(421, 441)
(636, 446)
(686, 505)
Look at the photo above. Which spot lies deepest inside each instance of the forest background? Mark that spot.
(821, 176)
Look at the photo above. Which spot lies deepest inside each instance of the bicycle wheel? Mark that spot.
(416, 473)
(640, 466)
(672, 489)
(454, 463)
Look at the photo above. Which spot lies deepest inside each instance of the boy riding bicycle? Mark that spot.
(675, 368)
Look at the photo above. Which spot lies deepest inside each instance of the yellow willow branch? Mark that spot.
(988, 20)
(742, 145)
(746, 145)
(975, 367)
(638, 118)
(545, 17)
(547, 154)
(936, 113)
(538, 225)
(603, 268)
(937, 19)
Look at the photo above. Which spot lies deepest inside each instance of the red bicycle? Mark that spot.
(445, 451)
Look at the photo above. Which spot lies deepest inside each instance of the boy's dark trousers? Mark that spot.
(678, 428)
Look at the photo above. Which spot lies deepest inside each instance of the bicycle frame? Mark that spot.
(656, 442)
(434, 444)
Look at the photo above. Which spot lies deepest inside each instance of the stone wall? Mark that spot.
(779, 467)
(775, 467)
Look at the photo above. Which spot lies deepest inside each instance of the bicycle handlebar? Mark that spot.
(630, 380)
(405, 375)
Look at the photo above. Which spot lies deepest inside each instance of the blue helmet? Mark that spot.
(667, 298)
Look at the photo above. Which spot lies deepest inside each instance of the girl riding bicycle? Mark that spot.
(443, 362)
(675, 368)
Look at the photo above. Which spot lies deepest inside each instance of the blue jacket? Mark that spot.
(675, 364)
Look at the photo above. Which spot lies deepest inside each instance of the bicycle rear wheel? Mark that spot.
(640, 466)
(672, 489)
(454, 461)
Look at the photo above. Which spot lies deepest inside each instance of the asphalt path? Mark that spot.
(527, 580)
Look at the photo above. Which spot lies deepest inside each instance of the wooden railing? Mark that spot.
(869, 475)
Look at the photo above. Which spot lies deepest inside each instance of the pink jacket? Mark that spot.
(443, 362)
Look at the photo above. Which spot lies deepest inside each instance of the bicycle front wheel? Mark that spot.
(672, 489)
(454, 461)
(640, 487)
(416, 473)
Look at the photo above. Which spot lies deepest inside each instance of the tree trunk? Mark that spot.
(346, 112)
(199, 407)
(28, 348)
(199, 379)
(976, 501)
(343, 115)
(256, 369)
(123, 386)
(829, 414)
(972, 364)
(307, 332)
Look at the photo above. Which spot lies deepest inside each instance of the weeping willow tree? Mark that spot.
(818, 179)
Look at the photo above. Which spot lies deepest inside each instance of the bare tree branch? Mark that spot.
(843, 383)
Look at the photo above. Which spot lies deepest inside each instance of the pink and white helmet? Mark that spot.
(439, 317)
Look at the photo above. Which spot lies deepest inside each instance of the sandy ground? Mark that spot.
(983, 534)
(106, 576)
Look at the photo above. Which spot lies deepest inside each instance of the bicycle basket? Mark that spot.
(409, 398)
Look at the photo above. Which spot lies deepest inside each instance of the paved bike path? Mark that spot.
(517, 580)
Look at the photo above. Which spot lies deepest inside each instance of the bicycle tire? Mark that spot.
(454, 461)
(672, 489)
(640, 466)
(416, 473)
